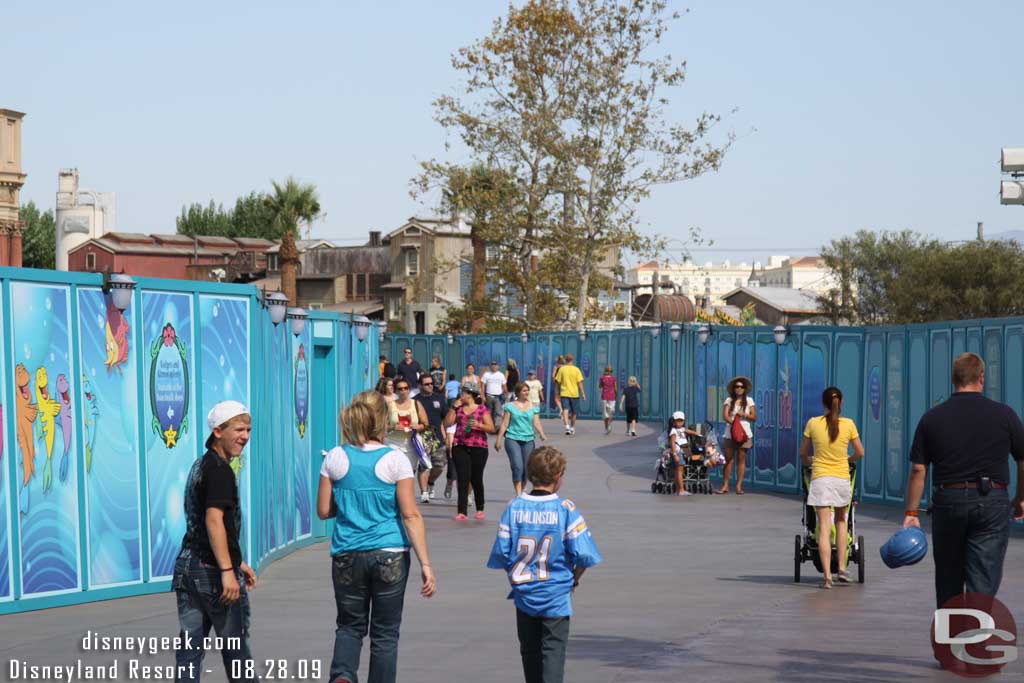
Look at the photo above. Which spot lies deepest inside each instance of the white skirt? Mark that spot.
(829, 492)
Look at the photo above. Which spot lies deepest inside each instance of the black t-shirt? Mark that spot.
(439, 377)
(512, 379)
(632, 395)
(966, 437)
(410, 372)
(211, 484)
(390, 371)
(436, 407)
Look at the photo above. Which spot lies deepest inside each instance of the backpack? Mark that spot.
(390, 370)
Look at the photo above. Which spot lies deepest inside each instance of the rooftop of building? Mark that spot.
(780, 298)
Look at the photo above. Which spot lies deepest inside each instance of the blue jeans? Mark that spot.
(198, 589)
(495, 403)
(970, 533)
(518, 455)
(365, 579)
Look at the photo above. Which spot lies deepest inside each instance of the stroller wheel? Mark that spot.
(797, 559)
(860, 559)
(654, 487)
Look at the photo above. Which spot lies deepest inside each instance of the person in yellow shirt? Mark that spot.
(570, 389)
(830, 437)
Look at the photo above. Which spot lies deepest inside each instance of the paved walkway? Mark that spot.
(696, 588)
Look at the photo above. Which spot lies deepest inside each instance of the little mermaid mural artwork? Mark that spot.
(169, 386)
(25, 413)
(91, 420)
(49, 409)
(116, 332)
(301, 391)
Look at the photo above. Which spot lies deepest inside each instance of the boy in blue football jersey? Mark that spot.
(544, 546)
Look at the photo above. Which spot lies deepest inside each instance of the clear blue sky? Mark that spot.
(850, 115)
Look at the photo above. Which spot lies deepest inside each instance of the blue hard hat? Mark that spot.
(907, 546)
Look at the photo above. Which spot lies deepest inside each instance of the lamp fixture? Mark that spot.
(450, 339)
(382, 327)
(676, 331)
(297, 316)
(780, 332)
(655, 331)
(120, 287)
(524, 337)
(583, 335)
(277, 304)
(703, 332)
(362, 326)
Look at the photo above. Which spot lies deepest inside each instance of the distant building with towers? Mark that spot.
(12, 178)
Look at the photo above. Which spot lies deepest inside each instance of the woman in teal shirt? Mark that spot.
(516, 432)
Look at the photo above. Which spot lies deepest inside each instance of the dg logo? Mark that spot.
(974, 635)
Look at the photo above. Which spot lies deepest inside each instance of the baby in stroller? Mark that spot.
(675, 458)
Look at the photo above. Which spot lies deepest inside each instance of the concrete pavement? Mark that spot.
(697, 588)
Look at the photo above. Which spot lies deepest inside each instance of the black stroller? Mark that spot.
(807, 543)
(696, 459)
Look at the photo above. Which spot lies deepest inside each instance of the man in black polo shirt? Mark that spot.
(210, 578)
(410, 370)
(966, 440)
(435, 405)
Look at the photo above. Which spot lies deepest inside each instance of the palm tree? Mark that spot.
(291, 204)
(478, 190)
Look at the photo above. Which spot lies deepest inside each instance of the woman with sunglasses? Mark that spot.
(404, 416)
(738, 407)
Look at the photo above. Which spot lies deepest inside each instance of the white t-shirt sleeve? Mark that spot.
(393, 468)
(335, 465)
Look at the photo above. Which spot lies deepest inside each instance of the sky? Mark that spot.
(874, 115)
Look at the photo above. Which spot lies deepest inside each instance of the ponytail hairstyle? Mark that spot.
(832, 399)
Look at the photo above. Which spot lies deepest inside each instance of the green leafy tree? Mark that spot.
(563, 97)
(211, 219)
(292, 204)
(902, 277)
(39, 237)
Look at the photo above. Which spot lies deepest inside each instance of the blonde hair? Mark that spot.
(365, 419)
(544, 466)
(632, 381)
(512, 363)
(608, 370)
(560, 359)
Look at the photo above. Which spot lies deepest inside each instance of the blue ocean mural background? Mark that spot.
(301, 348)
(170, 425)
(44, 426)
(108, 395)
(7, 464)
(223, 325)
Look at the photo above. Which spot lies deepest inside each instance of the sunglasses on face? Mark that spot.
(426, 384)
(404, 387)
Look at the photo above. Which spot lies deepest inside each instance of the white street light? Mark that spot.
(703, 332)
(780, 332)
(277, 305)
(298, 317)
(362, 325)
(120, 287)
(675, 331)
(655, 331)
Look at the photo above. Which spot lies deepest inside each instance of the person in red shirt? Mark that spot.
(609, 390)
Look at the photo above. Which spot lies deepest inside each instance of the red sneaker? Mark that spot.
(460, 518)
(479, 514)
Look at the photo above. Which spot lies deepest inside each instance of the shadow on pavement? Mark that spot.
(627, 653)
(822, 665)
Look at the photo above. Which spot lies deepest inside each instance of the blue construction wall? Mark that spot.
(889, 377)
(102, 413)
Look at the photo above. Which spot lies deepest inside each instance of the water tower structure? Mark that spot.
(82, 214)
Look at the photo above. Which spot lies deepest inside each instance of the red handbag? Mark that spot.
(739, 435)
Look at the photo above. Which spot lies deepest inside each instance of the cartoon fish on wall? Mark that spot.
(117, 338)
(64, 419)
(90, 419)
(25, 413)
(48, 411)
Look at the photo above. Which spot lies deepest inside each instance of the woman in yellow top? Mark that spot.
(830, 436)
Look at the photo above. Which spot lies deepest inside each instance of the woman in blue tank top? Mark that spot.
(367, 488)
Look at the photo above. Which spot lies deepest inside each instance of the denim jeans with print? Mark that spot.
(368, 582)
(970, 532)
(198, 589)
